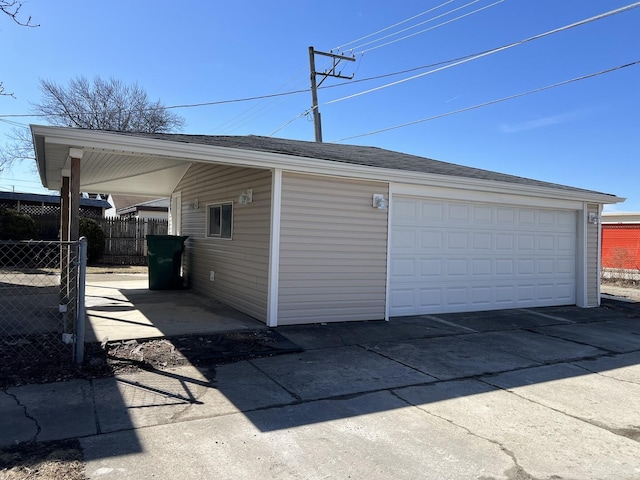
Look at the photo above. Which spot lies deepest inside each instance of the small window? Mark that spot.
(220, 220)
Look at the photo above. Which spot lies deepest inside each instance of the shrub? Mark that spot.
(16, 226)
(95, 238)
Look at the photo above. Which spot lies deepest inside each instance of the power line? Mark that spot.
(253, 98)
(341, 47)
(492, 51)
(430, 28)
(186, 105)
(238, 119)
(303, 114)
(492, 102)
(15, 124)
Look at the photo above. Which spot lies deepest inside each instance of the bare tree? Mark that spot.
(104, 105)
(97, 105)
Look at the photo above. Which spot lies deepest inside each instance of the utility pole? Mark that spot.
(331, 72)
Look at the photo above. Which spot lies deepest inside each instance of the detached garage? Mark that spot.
(300, 232)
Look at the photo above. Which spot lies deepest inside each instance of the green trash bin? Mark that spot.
(164, 256)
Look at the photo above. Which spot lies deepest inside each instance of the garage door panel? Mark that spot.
(404, 240)
(429, 211)
(404, 268)
(431, 267)
(482, 241)
(481, 296)
(431, 241)
(474, 257)
(429, 297)
(405, 211)
(481, 267)
(566, 266)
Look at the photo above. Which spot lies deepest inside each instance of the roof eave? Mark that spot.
(98, 140)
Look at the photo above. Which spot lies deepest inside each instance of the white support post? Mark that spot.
(274, 248)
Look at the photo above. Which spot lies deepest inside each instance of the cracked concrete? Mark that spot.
(545, 398)
(544, 441)
(17, 423)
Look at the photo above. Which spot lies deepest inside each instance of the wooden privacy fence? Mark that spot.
(125, 242)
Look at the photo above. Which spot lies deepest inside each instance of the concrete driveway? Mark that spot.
(549, 393)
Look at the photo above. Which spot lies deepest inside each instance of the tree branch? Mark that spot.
(5, 94)
(12, 9)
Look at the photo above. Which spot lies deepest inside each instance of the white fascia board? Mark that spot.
(257, 159)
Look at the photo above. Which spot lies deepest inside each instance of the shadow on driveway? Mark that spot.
(352, 370)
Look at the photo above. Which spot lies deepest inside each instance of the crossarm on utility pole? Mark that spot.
(317, 123)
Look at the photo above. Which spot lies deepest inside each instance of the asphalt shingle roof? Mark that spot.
(354, 154)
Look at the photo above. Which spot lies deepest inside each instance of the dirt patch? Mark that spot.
(50, 363)
(43, 461)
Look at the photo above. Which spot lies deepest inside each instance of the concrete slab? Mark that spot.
(603, 401)
(16, 426)
(60, 410)
(624, 366)
(318, 374)
(498, 320)
(161, 397)
(534, 346)
(542, 442)
(616, 336)
(450, 357)
(357, 444)
(330, 335)
(124, 308)
(583, 315)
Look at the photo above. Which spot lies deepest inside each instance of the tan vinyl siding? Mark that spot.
(593, 275)
(241, 264)
(333, 247)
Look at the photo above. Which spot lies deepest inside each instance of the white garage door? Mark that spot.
(448, 256)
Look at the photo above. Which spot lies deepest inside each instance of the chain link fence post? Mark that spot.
(80, 322)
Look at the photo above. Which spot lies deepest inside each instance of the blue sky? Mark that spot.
(584, 134)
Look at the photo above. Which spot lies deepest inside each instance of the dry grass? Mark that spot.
(43, 461)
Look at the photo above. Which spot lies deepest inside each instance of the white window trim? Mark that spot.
(207, 216)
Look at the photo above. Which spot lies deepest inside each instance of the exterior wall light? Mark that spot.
(379, 201)
(246, 197)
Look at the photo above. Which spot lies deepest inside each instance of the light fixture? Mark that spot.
(379, 201)
(246, 197)
(593, 218)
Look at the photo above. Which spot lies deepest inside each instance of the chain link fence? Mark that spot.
(41, 303)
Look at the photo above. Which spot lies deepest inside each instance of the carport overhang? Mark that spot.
(106, 166)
